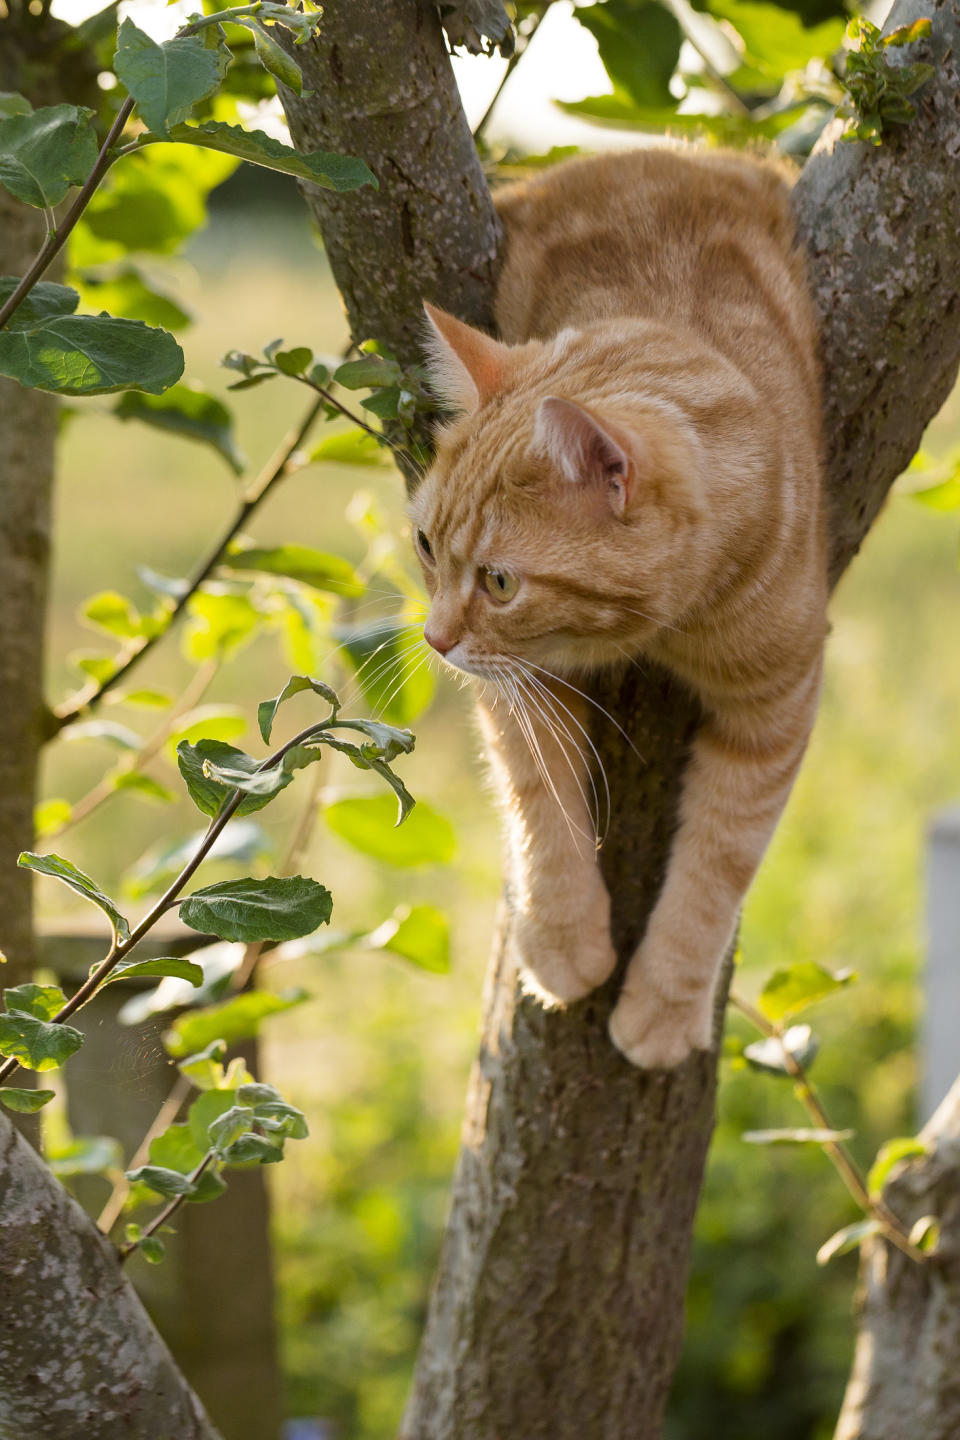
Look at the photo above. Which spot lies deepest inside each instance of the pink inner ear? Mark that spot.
(583, 449)
(466, 367)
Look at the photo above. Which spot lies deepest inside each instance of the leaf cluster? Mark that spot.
(877, 91)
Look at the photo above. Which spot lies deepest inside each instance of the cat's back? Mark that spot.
(703, 241)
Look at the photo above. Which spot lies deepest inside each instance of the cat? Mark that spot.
(634, 470)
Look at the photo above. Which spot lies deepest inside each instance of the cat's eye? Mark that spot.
(500, 584)
(423, 544)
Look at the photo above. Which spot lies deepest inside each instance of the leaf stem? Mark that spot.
(54, 243)
(167, 1212)
(276, 468)
(843, 1162)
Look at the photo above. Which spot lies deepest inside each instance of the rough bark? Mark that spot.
(558, 1306)
(28, 421)
(906, 1370)
(384, 90)
(78, 1355)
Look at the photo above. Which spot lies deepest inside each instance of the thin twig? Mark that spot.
(171, 1209)
(106, 787)
(842, 1160)
(53, 244)
(274, 471)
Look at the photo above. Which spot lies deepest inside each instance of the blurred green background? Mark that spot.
(380, 1055)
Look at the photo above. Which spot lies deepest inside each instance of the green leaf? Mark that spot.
(114, 613)
(85, 1155)
(797, 1137)
(279, 1118)
(366, 822)
(123, 291)
(176, 1149)
(143, 785)
(68, 874)
(767, 1055)
(229, 1126)
(151, 699)
(188, 411)
(199, 764)
(175, 965)
(26, 1102)
(789, 991)
(925, 1234)
(207, 1108)
(369, 372)
(351, 447)
(91, 355)
(51, 815)
(37, 1044)
(166, 80)
(254, 1149)
(419, 933)
(639, 45)
(276, 61)
(293, 362)
(11, 103)
(267, 709)
(943, 496)
(45, 152)
(233, 1020)
(298, 562)
(208, 722)
(153, 203)
(220, 623)
(250, 910)
(385, 403)
(169, 1183)
(44, 302)
(777, 41)
(152, 1248)
(330, 172)
(43, 1002)
(890, 1154)
(849, 1238)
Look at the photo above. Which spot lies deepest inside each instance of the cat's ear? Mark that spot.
(583, 449)
(465, 366)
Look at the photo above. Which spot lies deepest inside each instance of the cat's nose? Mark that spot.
(440, 642)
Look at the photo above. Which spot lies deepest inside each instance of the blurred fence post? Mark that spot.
(213, 1297)
(941, 1049)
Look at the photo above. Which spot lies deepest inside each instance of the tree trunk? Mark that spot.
(78, 1354)
(558, 1307)
(906, 1370)
(28, 427)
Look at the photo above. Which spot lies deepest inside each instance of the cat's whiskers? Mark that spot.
(558, 731)
(552, 701)
(590, 700)
(362, 682)
(518, 709)
(405, 679)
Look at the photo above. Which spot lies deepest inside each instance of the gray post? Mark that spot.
(941, 1030)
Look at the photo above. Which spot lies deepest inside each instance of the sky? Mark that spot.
(561, 64)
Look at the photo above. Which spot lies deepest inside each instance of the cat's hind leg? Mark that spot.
(743, 765)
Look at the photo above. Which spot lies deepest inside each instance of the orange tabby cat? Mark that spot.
(635, 471)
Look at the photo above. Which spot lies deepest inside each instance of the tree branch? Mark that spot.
(558, 1307)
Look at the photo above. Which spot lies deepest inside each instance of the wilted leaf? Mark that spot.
(267, 709)
(68, 874)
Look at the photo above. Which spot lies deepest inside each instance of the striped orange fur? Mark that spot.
(635, 470)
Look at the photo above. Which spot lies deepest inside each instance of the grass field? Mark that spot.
(379, 1058)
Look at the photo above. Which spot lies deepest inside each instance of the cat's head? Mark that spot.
(556, 524)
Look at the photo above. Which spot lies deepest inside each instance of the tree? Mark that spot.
(568, 1151)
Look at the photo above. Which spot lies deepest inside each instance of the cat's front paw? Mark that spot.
(657, 1033)
(565, 962)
